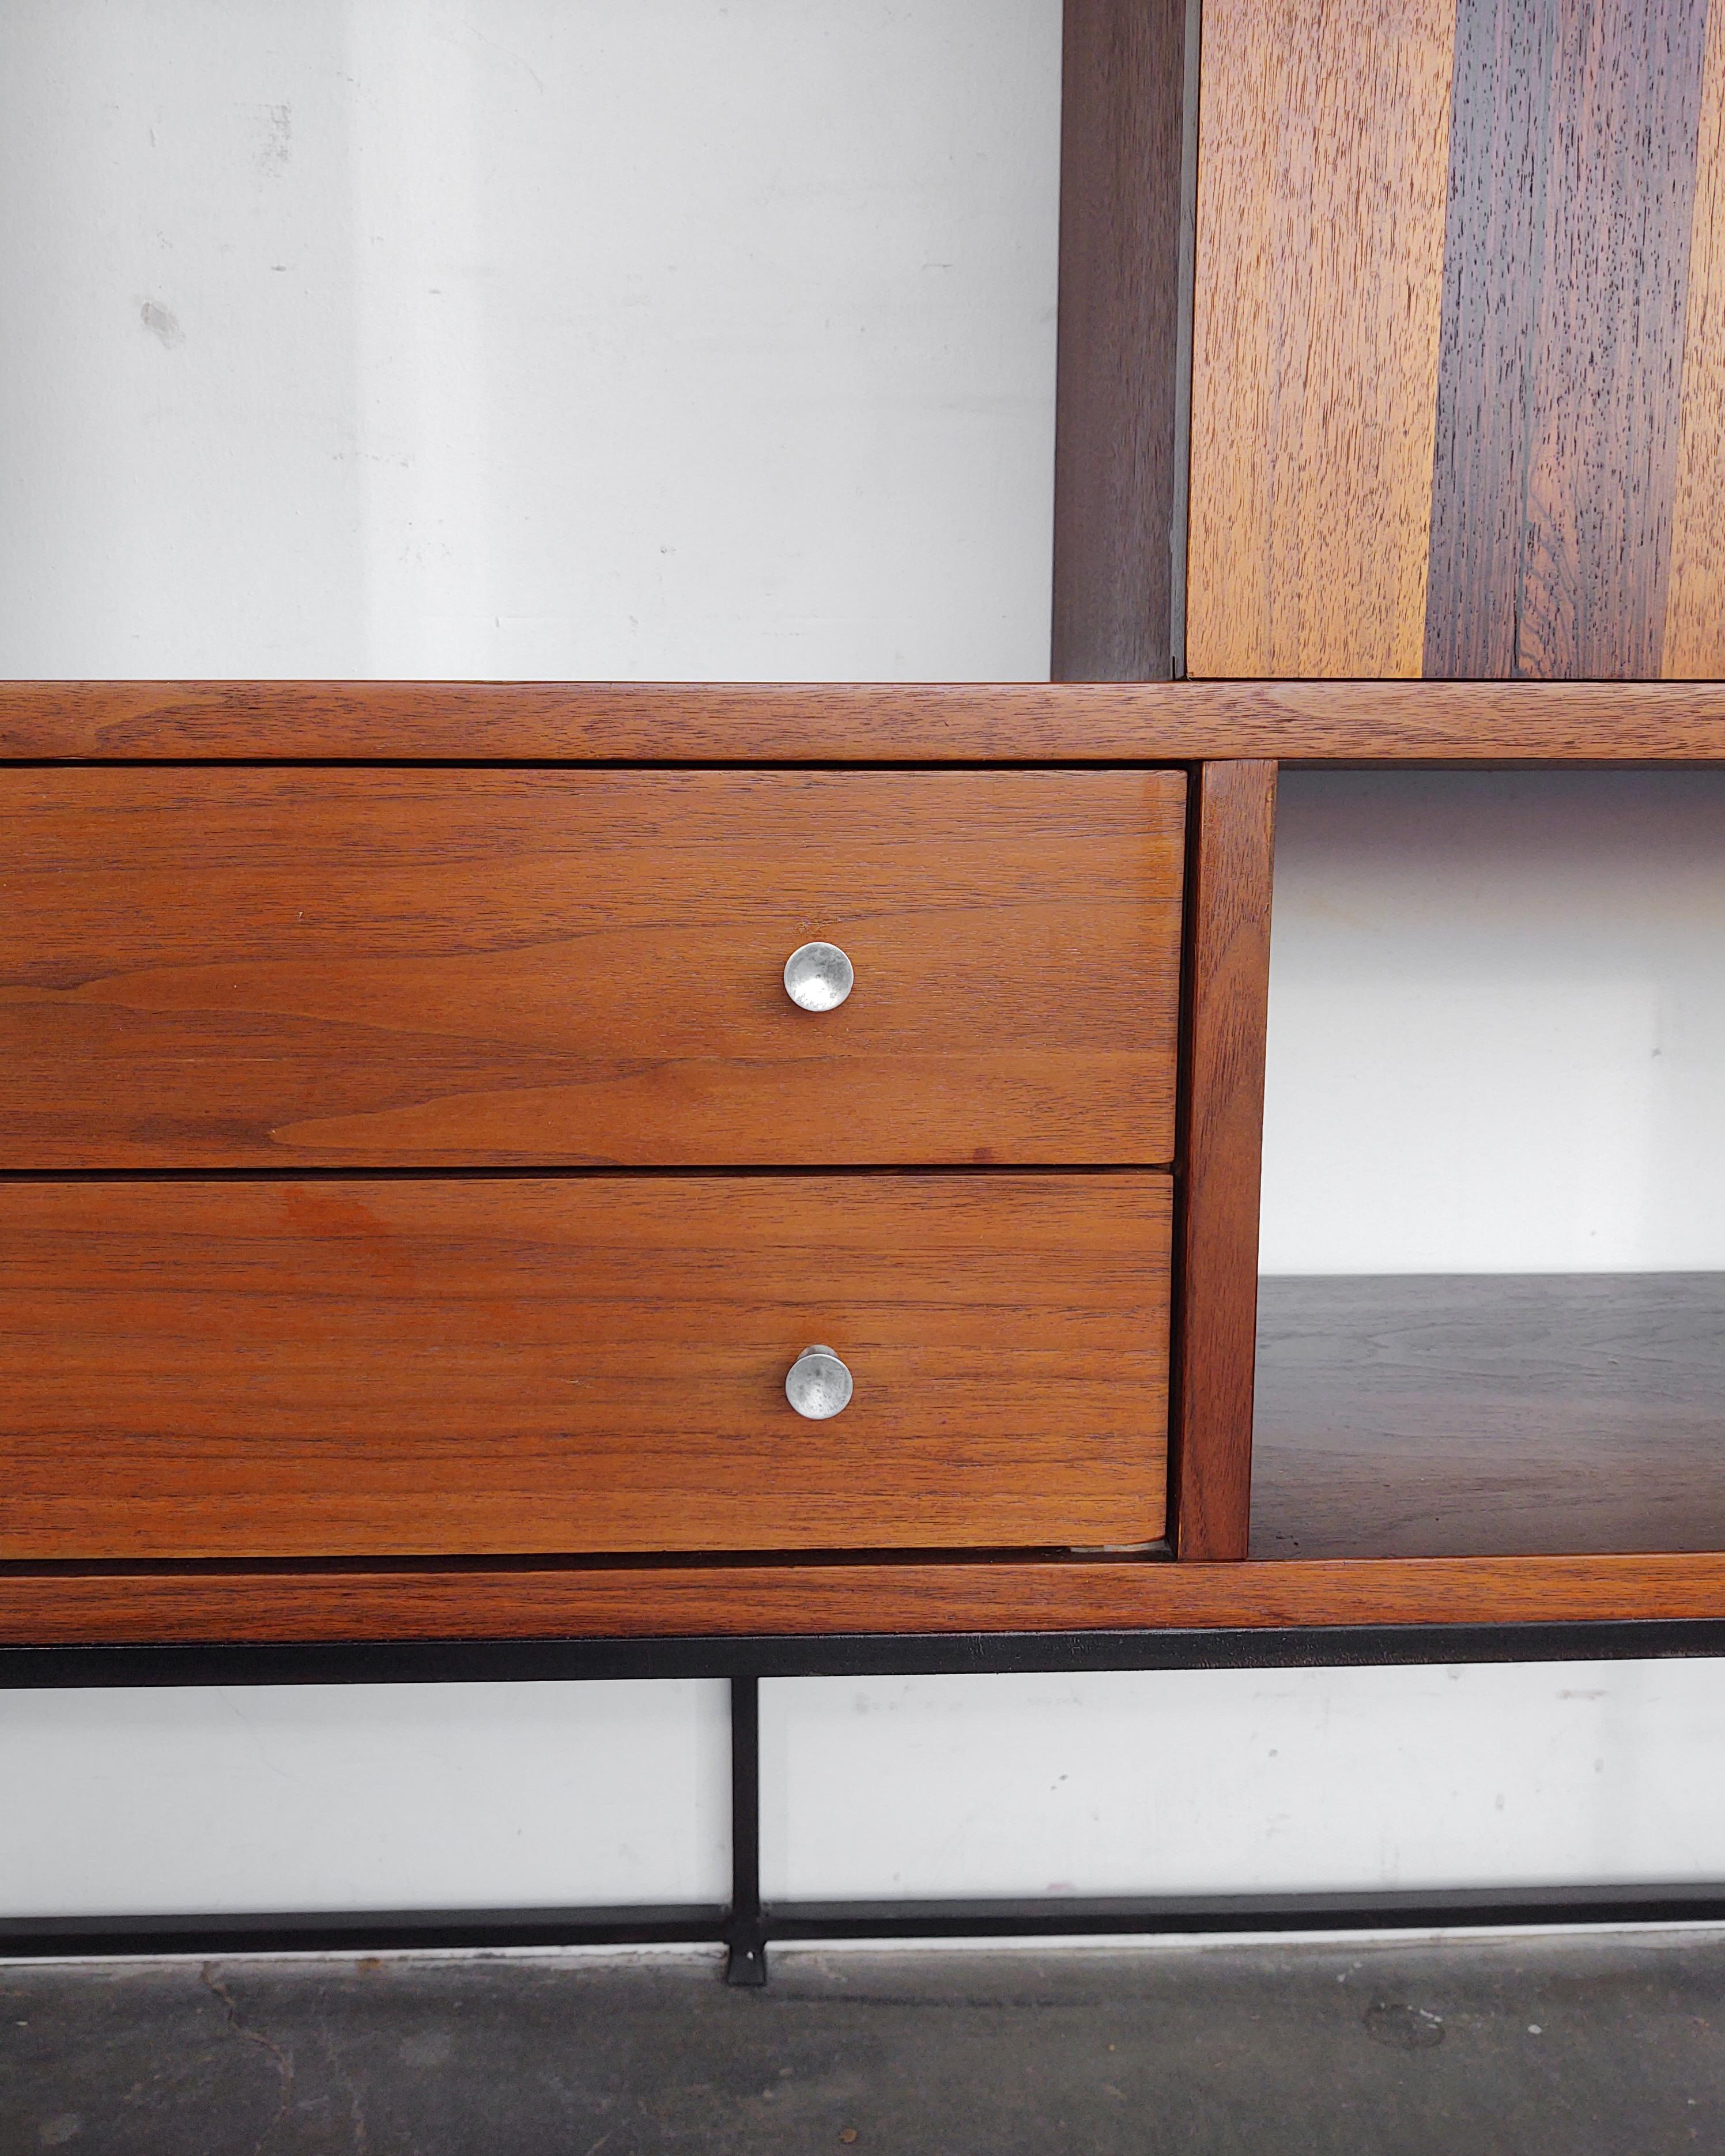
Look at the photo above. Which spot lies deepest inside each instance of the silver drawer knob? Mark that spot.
(817, 977)
(818, 1384)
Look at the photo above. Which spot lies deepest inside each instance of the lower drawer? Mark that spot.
(579, 1364)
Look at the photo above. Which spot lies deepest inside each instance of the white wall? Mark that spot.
(688, 338)
(1242, 1781)
(1497, 1023)
(608, 338)
(371, 1796)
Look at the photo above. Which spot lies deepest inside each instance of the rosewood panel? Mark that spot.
(250, 1368)
(204, 968)
(1573, 151)
(422, 1602)
(1116, 454)
(1602, 421)
(1497, 151)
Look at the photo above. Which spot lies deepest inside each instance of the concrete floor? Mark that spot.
(1599, 2044)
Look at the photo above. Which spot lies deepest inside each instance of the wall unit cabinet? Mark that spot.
(419, 1182)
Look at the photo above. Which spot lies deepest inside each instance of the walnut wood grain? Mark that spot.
(1694, 641)
(535, 1601)
(1459, 722)
(1233, 847)
(1122, 74)
(1489, 1416)
(1572, 177)
(256, 1369)
(203, 967)
(1322, 142)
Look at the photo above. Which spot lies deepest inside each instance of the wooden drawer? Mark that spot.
(232, 968)
(496, 1364)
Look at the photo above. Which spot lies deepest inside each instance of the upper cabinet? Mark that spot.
(1458, 349)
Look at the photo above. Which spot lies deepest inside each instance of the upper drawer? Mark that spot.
(203, 967)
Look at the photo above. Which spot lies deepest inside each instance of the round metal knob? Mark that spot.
(817, 977)
(818, 1384)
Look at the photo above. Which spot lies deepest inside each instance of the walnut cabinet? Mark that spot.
(517, 1161)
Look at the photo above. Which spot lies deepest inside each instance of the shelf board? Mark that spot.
(1389, 722)
(1490, 1415)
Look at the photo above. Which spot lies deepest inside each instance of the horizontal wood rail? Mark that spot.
(61, 1606)
(1460, 723)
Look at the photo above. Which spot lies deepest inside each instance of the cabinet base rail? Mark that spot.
(747, 1925)
(747, 1934)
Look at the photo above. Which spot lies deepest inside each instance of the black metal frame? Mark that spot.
(746, 1925)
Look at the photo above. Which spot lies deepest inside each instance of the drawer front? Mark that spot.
(204, 968)
(587, 1364)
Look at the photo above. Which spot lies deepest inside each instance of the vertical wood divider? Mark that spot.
(1121, 341)
(1229, 864)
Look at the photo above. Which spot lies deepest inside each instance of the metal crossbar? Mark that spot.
(746, 1925)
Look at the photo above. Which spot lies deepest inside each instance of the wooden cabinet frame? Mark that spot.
(1130, 186)
(1224, 735)
(1129, 266)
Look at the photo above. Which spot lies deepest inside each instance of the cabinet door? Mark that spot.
(1458, 354)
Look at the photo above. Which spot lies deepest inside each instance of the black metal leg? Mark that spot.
(744, 1926)
(746, 1964)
